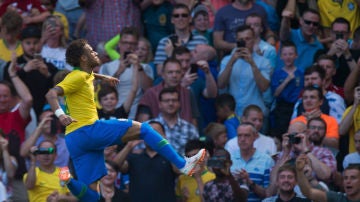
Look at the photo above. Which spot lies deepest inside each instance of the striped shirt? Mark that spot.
(258, 168)
(179, 134)
(160, 55)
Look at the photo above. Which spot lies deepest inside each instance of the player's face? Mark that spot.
(92, 57)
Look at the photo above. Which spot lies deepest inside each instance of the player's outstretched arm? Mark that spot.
(111, 80)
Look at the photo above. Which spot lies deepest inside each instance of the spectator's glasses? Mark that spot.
(319, 128)
(183, 15)
(309, 22)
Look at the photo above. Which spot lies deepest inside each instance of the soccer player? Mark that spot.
(86, 136)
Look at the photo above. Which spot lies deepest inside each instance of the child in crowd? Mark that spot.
(11, 25)
(217, 133)
(191, 188)
(108, 99)
(201, 23)
(286, 84)
(225, 110)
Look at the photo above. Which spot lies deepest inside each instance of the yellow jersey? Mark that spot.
(78, 90)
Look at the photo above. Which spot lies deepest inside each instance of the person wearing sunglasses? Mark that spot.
(304, 37)
(41, 180)
(182, 36)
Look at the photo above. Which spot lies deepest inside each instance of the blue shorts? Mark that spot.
(86, 147)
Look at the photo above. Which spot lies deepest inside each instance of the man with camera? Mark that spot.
(122, 69)
(224, 187)
(202, 88)
(339, 49)
(298, 141)
(245, 73)
(42, 179)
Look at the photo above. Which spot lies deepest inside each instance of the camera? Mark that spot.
(339, 36)
(215, 162)
(194, 68)
(241, 43)
(44, 151)
(126, 53)
(293, 139)
(38, 56)
(174, 39)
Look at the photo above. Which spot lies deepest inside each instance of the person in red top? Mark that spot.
(13, 120)
(30, 10)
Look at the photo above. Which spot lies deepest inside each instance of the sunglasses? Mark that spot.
(308, 22)
(183, 15)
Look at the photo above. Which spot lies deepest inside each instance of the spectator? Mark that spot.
(182, 37)
(13, 123)
(351, 184)
(333, 103)
(157, 20)
(206, 105)
(349, 124)
(155, 183)
(49, 129)
(297, 141)
(286, 85)
(31, 11)
(201, 88)
(107, 185)
(8, 166)
(304, 37)
(328, 64)
(252, 69)
(262, 143)
(345, 59)
(192, 188)
(229, 18)
(32, 67)
(108, 98)
(312, 99)
(217, 133)
(50, 6)
(353, 158)
(250, 165)
(53, 43)
(352, 10)
(178, 131)
(42, 180)
(72, 12)
(286, 181)
(149, 103)
(200, 21)
(225, 110)
(123, 69)
(265, 49)
(11, 23)
(224, 187)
